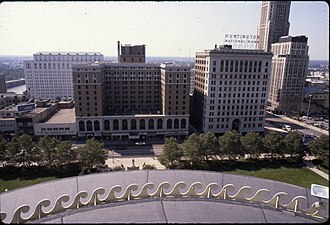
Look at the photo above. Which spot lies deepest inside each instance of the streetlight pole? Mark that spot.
(309, 104)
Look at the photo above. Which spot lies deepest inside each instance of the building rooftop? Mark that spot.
(162, 196)
(68, 53)
(63, 116)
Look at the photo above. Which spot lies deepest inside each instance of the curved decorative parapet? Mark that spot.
(94, 199)
(192, 189)
(274, 201)
(38, 211)
(58, 207)
(111, 197)
(144, 191)
(240, 194)
(293, 205)
(207, 191)
(100, 196)
(127, 193)
(3, 216)
(17, 217)
(175, 190)
(160, 189)
(257, 196)
(223, 192)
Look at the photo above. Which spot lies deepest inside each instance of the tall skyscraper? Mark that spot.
(49, 74)
(231, 87)
(273, 23)
(289, 68)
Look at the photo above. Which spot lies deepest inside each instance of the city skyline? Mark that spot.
(177, 29)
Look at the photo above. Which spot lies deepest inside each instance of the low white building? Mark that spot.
(62, 124)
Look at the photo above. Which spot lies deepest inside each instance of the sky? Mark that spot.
(178, 29)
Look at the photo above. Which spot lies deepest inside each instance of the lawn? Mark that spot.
(287, 171)
(19, 182)
(298, 176)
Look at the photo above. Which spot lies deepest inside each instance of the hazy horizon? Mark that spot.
(168, 29)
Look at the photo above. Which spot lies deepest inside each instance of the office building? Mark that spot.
(131, 100)
(132, 54)
(289, 70)
(49, 75)
(231, 87)
(273, 23)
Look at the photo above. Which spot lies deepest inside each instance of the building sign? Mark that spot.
(26, 107)
(241, 41)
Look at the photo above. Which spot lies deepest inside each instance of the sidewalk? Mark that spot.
(138, 161)
(309, 165)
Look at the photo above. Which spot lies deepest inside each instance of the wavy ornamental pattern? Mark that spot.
(99, 196)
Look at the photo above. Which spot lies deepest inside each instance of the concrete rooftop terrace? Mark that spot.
(162, 196)
(63, 116)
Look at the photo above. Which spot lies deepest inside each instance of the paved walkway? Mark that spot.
(138, 162)
(309, 165)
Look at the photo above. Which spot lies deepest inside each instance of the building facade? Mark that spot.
(131, 54)
(49, 75)
(289, 70)
(231, 87)
(273, 23)
(131, 100)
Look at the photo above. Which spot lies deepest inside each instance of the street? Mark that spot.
(277, 121)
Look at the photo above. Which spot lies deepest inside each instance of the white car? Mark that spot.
(140, 143)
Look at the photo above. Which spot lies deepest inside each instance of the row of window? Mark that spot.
(237, 113)
(125, 124)
(55, 128)
(222, 126)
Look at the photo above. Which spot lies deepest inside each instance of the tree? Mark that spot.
(230, 145)
(47, 147)
(92, 154)
(65, 153)
(252, 144)
(13, 149)
(3, 150)
(209, 145)
(171, 154)
(27, 151)
(320, 147)
(293, 144)
(273, 143)
(192, 148)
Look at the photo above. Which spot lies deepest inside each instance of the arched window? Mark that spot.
(115, 125)
(81, 126)
(133, 124)
(176, 124)
(183, 123)
(89, 125)
(106, 125)
(142, 124)
(96, 125)
(124, 124)
(151, 124)
(169, 124)
(159, 124)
